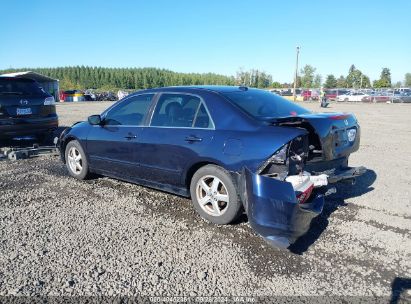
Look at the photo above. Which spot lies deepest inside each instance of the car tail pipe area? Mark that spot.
(273, 208)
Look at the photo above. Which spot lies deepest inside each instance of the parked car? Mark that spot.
(353, 96)
(26, 110)
(228, 148)
(286, 93)
(377, 97)
(310, 95)
(330, 95)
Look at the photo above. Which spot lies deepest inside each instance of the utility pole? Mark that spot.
(296, 73)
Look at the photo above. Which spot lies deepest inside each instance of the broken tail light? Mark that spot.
(302, 197)
(278, 158)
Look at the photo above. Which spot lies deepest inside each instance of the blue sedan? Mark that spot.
(231, 149)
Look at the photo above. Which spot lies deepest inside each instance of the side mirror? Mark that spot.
(94, 120)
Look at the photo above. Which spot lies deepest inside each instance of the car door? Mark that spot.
(181, 130)
(112, 146)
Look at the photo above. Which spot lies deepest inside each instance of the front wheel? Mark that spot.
(214, 195)
(76, 161)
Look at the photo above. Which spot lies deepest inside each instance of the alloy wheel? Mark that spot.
(212, 195)
(75, 161)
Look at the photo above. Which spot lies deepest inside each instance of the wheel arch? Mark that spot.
(64, 144)
(194, 168)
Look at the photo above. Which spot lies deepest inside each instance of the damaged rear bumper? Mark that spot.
(274, 212)
(273, 209)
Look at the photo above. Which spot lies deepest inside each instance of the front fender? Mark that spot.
(273, 210)
(77, 131)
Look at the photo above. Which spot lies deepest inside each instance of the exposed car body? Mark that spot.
(26, 110)
(221, 145)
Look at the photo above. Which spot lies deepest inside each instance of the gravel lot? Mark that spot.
(60, 236)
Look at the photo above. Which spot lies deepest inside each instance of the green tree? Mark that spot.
(317, 81)
(407, 80)
(84, 77)
(276, 84)
(385, 79)
(356, 79)
(307, 76)
(341, 82)
(253, 78)
(398, 84)
(330, 82)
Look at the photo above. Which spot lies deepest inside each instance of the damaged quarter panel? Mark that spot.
(255, 146)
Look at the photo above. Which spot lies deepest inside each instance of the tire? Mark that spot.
(77, 167)
(214, 195)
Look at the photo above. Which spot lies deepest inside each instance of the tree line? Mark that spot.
(354, 79)
(85, 77)
(100, 78)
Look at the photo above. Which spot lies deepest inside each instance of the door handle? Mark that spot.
(130, 137)
(193, 138)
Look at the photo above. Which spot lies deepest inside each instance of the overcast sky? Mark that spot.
(209, 36)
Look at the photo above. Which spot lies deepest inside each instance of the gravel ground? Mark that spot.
(60, 236)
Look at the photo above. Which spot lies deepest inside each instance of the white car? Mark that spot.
(354, 96)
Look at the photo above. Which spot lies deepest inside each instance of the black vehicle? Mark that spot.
(26, 110)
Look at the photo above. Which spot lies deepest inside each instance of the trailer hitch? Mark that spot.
(16, 153)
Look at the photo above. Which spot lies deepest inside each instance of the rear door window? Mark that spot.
(202, 119)
(180, 111)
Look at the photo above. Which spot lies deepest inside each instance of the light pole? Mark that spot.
(296, 73)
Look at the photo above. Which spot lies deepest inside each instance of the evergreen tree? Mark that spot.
(385, 79)
(330, 82)
(407, 80)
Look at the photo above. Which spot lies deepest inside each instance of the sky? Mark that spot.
(209, 35)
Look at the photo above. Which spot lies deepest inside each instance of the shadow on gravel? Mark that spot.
(332, 203)
(400, 290)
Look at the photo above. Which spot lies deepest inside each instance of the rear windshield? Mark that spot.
(20, 87)
(264, 105)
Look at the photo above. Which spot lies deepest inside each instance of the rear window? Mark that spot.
(264, 105)
(20, 87)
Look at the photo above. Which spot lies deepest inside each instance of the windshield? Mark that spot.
(20, 87)
(264, 105)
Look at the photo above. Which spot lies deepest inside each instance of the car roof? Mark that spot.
(211, 88)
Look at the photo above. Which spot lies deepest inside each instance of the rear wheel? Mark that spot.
(76, 161)
(214, 195)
